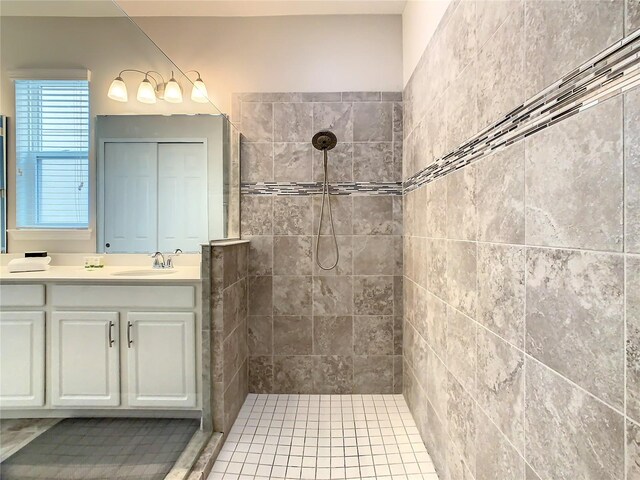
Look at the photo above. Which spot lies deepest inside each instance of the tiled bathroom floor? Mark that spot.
(324, 437)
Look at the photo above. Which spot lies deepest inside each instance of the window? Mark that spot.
(52, 153)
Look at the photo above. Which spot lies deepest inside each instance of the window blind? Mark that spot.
(52, 153)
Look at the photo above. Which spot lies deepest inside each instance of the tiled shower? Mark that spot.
(521, 266)
(309, 330)
(488, 222)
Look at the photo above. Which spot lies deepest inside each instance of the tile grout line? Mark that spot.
(476, 404)
(524, 312)
(471, 396)
(625, 461)
(451, 441)
(272, 319)
(615, 409)
(540, 247)
(477, 289)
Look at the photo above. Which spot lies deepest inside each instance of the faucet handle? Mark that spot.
(170, 257)
(156, 260)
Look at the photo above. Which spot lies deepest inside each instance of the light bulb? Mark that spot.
(118, 90)
(172, 91)
(146, 92)
(199, 92)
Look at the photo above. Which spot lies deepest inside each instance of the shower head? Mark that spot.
(324, 140)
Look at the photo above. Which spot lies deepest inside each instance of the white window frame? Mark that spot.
(83, 233)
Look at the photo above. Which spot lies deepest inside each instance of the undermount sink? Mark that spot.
(142, 273)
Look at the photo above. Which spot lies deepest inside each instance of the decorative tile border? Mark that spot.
(608, 74)
(315, 188)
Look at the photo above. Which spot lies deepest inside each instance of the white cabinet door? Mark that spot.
(85, 359)
(21, 359)
(130, 197)
(161, 359)
(182, 196)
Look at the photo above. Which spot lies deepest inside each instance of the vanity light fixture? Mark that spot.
(199, 90)
(118, 90)
(170, 91)
(147, 93)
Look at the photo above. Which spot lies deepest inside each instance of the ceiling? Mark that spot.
(199, 8)
(257, 8)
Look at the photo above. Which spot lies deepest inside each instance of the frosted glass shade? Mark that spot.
(199, 92)
(118, 90)
(173, 92)
(146, 92)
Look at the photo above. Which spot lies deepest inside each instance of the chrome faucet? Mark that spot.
(170, 258)
(157, 263)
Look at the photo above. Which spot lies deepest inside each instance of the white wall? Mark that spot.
(419, 22)
(284, 54)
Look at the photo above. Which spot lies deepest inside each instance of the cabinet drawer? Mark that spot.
(22, 295)
(125, 296)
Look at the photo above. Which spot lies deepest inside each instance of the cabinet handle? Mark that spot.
(129, 341)
(111, 340)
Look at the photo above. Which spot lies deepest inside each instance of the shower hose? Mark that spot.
(325, 194)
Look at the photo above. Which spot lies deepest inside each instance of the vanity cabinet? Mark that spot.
(66, 346)
(22, 359)
(85, 359)
(160, 359)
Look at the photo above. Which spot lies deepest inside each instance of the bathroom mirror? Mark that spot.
(111, 146)
(160, 181)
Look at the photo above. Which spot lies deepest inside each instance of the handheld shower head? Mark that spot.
(324, 140)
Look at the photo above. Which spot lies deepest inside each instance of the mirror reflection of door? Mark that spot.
(182, 196)
(155, 196)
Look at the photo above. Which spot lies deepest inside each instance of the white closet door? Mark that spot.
(21, 359)
(182, 199)
(130, 197)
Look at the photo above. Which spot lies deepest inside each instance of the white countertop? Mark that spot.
(138, 274)
(69, 267)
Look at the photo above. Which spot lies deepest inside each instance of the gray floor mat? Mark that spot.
(102, 448)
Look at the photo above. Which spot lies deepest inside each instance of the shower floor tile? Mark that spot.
(324, 437)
